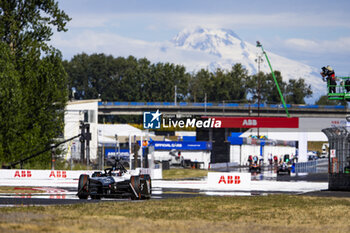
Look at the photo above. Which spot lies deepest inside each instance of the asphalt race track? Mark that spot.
(68, 196)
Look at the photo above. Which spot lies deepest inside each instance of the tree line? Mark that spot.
(131, 79)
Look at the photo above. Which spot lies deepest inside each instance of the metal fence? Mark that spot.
(339, 146)
(315, 166)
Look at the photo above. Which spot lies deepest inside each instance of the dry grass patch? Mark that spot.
(274, 213)
(10, 189)
(183, 173)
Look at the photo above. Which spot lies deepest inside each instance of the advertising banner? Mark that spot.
(181, 145)
(258, 122)
(54, 178)
(123, 153)
(40, 174)
(229, 181)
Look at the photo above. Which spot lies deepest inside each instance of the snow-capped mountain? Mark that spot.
(221, 48)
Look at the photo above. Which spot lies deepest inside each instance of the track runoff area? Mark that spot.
(60, 187)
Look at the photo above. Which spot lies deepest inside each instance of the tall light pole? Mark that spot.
(205, 102)
(175, 99)
(259, 60)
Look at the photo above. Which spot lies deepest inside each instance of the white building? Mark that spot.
(75, 112)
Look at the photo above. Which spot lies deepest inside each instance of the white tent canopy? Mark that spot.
(109, 130)
(104, 139)
(286, 134)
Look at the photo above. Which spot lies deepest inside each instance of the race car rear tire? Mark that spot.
(83, 186)
(135, 183)
(95, 196)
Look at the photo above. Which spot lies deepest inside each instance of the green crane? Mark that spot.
(258, 44)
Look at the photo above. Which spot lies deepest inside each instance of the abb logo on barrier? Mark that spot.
(230, 180)
(23, 174)
(58, 174)
(53, 174)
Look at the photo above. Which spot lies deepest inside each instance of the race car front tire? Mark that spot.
(135, 188)
(83, 186)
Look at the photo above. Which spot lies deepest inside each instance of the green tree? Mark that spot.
(256, 84)
(220, 86)
(160, 83)
(294, 92)
(44, 85)
(26, 24)
(125, 79)
(238, 85)
(199, 85)
(92, 76)
(11, 102)
(297, 91)
(36, 80)
(129, 79)
(268, 90)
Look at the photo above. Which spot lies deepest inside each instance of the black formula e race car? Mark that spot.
(115, 182)
(283, 170)
(254, 168)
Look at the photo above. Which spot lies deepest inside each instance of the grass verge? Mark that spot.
(273, 213)
(10, 189)
(182, 173)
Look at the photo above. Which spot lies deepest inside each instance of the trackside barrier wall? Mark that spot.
(58, 178)
(41, 174)
(55, 178)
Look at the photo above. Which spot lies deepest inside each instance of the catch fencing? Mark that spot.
(339, 166)
(314, 166)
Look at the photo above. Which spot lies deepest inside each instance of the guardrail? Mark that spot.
(315, 166)
(228, 105)
(222, 165)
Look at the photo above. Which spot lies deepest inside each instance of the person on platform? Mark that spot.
(329, 76)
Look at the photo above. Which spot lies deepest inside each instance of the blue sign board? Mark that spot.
(182, 145)
(110, 152)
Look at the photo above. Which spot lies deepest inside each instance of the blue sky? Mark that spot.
(316, 33)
